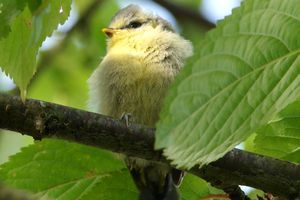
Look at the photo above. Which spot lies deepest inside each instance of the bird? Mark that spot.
(143, 56)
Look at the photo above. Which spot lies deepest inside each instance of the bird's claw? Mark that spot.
(127, 118)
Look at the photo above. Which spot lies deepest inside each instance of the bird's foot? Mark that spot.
(177, 176)
(127, 118)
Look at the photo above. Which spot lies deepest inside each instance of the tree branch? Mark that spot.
(46, 120)
(182, 12)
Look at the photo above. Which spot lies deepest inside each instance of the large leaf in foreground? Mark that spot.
(248, 70)
(19, 48)
(281, 137)
(64, 170)
(194, 188)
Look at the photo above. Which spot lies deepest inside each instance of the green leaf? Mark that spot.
(18, 50)
(248, 70)
(194, 188)
(34, 5)
(11, 9)
(64, 170)
(281, 137)
(8, 11)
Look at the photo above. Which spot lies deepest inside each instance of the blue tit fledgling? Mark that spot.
(144, 54)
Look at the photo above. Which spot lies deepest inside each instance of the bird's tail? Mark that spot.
(153, 185)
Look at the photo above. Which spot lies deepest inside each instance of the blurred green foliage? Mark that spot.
(10, 143)
(29, 25)
(63, 79)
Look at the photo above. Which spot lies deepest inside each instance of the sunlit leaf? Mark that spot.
(247, 70)
(194, 188)
(281, 137)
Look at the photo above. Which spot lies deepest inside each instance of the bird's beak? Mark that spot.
(109, 31)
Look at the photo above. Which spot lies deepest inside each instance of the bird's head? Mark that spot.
(146, 36)
(131, 23)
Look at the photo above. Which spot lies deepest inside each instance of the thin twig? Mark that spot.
(183, 12)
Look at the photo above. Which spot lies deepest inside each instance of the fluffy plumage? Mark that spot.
(144, 54)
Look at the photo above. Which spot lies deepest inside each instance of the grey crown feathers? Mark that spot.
(134, 14)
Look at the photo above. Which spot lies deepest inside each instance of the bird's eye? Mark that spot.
(134, 24)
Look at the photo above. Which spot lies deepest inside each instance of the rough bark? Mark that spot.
(47, 120)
